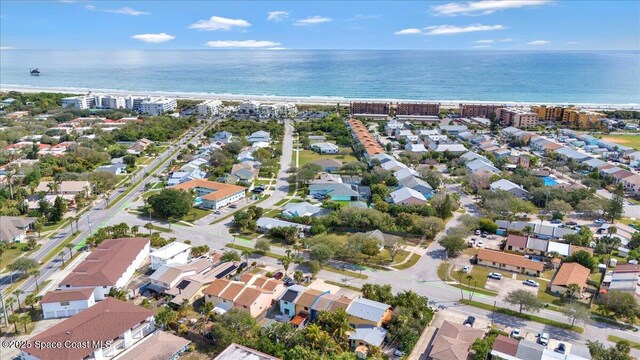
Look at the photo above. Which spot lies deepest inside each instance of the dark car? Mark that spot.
(556, 221)
(233, 206)
(469, 322)
(257, 191)
(571, 223)
(278, 275)
(243, 265)
(561, 348)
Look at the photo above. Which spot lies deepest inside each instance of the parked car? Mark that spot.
(480, 243)
(496, 276)
(469, 322)
(243, 265)
(217, 212)
(233, 206)
(543, 339)
(530, 282)
(477, 232)
(561, 348)
(556, 221)
(600, 221)
(278, 275)
(399, 352)
(572, 223)
(633, 262)
(515, 333)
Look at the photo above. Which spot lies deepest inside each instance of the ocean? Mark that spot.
(597, 77)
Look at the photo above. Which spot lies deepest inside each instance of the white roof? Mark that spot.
(560, 248)
(170, 250)
(504, 184)
(406, 193)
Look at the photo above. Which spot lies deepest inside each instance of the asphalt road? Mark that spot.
(95, 218)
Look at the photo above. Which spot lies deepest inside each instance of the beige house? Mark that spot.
(66, 188)
(509, 262)
(254, 294)
(569, 273)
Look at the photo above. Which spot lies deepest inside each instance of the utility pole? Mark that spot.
(4, 310)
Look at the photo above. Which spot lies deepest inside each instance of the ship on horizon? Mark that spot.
(35, 72)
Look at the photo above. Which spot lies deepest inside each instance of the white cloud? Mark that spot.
(491, 41)
(6, 48)
(482, 46)
(455, 29)
(484, 7)
(571, 43)
(410, 31)
(312, 20)
(123, 10)
(277, 48)
(539, 42)
(242, 44)
(219, 23)
(154, 38)
(277, 15)
(364, 17)
(451, 30)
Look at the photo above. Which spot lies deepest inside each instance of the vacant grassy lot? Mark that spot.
(307, 156)
(12, 253)
(626, 140)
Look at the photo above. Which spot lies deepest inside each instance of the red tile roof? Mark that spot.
(104, 321)
(506, 345)
(571, 273)
(220, 190)
(106, 263)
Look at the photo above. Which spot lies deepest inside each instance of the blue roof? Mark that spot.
(367, 309)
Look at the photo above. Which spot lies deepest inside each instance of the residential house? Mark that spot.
(510, 187)
(213, 195)
(504, 347)
(313, 139)
(452, 148)
(167, 277)
(479, 166)
(625, 277)
(255, 299)
(516, 243)
(259, 136)
(569, 273)
(303, 209)
(172, 253)
(329, 165)
(139, 146)
(116, 169)
(367, 336)
(243, 176)
(363, 312)
(559, 248)
(417, 148)
(239, 352)
(65, 303)
(180, 177)
(191, 286)
(72, 188)
(417, 184)
(115, 324)
(453, 129)
(407, 196)
(536, 246)
(335, 191)
(470, 156)
(371, 146)
(287, 300)
(383, 238)
(329, 302)
(14, 229)
(509, 262)
(453, 341)
(303, 304)
(222, 137)
(265, 224)
(325, 148)
(159, 345)
(110, 264)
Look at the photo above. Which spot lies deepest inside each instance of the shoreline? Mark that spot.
(306, 100)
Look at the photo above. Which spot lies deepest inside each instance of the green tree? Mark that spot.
(621, 351)
(380, 293)
(370, 247)
(262, 246)
(118, 293)
(321, 253)
(616, 204)
(230, 255)
(621, 304)
(583, 258)
(577, 312)
(524, 299)
(171, 203)
(14, 319)
(453, 244)
(23, 265)
(207, 308)
(166, 318)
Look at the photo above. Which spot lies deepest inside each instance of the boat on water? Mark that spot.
(35, 72)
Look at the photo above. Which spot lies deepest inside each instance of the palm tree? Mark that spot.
(312, 335)
(14, 319)
(61, 257)
(9, 302)
(17, 294)
(70, 246)
(3, 249)
(298, 276)
(246, 253)
(135, 229)
(572, 290)
(25, 319)
(207, 308)
(35, 274)
(31, 300)
(460, 273)
(148, 226)
(32, 242)
(285, 264)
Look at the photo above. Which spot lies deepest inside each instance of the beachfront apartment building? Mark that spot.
(581, 118)
(369, 108)
(548, 113)
(209, 108)
(157, 106)
(417, 109)
(517, 117)
(479, 110)
(82, 102)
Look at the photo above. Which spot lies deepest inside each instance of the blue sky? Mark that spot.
(465, 25)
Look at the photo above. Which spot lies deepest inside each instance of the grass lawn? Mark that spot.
(412, 261)
(12, 253)
(350, 287)
(626, 140)
(149, 193)
(272, 213)
(529, 317)
(307, 156)
(480, 274)
(442, 271)
(616, 339)
(160, 228)
(195, 214)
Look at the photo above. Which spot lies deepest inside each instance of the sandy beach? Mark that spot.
(310, 100)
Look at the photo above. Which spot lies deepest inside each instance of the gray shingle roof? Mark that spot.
(369, 334)
(367, 309)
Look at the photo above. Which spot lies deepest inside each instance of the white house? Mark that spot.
(172, 253)
(209, 108)
(259, 136)
(158, 106)
(65, 303)
(325, 148)
(508, 186)
(103, 331)
(407, 196)
(111, 264)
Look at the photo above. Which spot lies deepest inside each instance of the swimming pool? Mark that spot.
(549, 181)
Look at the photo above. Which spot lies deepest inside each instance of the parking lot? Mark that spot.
(492, 242)
(507, 285)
